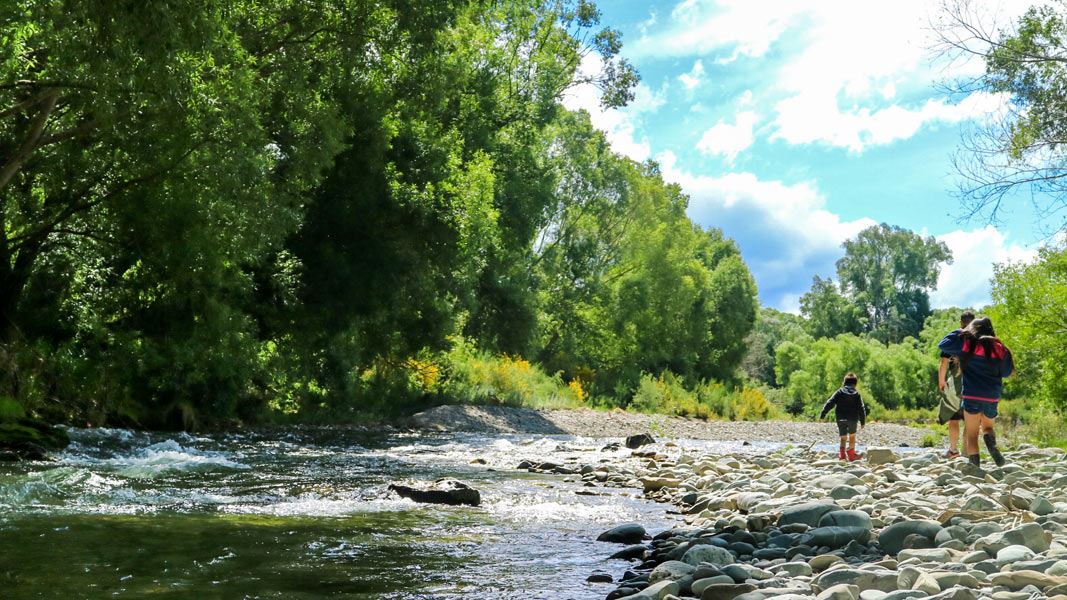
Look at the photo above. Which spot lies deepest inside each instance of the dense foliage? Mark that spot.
(333, 208)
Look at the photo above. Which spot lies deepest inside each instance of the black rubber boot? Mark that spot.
(991, 445)
(975, 459)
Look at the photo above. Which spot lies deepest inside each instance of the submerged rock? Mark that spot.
(636, 441)
(442, 491)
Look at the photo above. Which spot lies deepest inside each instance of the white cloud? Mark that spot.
(851, 65)
(729, 140)
(966, 282)
(816, 117)
(694, 77)
(734, 27)
(785, 233)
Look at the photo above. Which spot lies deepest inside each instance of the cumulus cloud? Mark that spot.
(785, 233)
(729, 140)
(966, 282)
(850, 64)
(694, 77)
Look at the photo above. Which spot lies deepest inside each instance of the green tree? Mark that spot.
(772, 328)
(829, 313)
(1030, 314)
(887, 272)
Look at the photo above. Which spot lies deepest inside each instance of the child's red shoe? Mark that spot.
(853, 455)
(841, 454)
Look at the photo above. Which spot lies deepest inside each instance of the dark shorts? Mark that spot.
(958, 416)
(846, 426)
(974, 407)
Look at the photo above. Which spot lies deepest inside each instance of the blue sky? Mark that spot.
(794, 125)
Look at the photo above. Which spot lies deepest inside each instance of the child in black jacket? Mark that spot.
(848, 410)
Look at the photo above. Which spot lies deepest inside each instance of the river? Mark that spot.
(305, 514)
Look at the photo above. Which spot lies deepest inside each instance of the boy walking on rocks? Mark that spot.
(848, 410)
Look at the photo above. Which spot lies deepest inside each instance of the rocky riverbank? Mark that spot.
(800, 525)
(615, 423)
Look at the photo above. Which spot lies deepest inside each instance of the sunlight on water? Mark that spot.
(306, 514)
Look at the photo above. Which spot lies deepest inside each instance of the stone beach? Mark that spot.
(797, 524)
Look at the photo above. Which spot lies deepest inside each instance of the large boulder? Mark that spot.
(891, 539)
(30, 439)
(809, 513)
(627, 533)
(846, 518)
(835, 536)
(442, 491)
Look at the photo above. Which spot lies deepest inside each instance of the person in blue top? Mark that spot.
(984, 361)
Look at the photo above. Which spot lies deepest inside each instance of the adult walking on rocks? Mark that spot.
(985, 361)
(948, 381)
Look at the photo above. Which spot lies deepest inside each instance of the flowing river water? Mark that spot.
(306, 514)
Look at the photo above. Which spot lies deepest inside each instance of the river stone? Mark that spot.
(829, 482)
(956, 593)
(1060, 568)
(904, 595)
(880, 456)
(443, 491)
(699, 585)
(883, 580)
(599, 577)
(872, 595)
(627, 533)
(844, 492)
(707, 553)
(891, 539)
(636, 552)
(671, 570)
(746, 500)
(824, 561)
(836, 537)
(946, 580)
(652, 484)
(846, 518)
(951, 533)
(808, 513)
(725, 591)
(981, 503)
(657, 591)
(1041, 506)
(792, 569)
(1016, 553)
(907, 576)
(1017, 580)
(841, 591)
(1029, 534)
(636, 441)
(926, 554)
(926, 584)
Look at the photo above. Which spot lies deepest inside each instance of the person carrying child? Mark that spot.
(848, 410)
